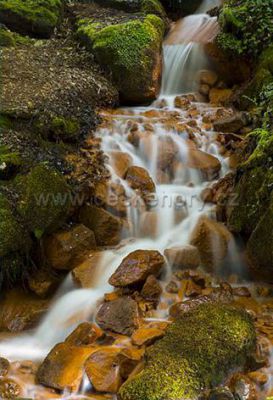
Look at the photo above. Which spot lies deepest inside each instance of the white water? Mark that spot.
(72, 306)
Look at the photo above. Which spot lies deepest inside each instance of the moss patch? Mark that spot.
(11, 39)
(179, 367)
(32, 17)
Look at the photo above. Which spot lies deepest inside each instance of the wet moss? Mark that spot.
(44, 199)
(33, 17)
(179, 367)
(66, 128)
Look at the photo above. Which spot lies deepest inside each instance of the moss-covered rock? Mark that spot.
(130, 52)
(179, 367)
(9, 162)
(143, 6)
(32, 17)
(246, 26)
(44, 199)
(11, 39)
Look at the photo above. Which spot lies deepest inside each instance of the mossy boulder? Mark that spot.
(11, 39)
(197, 352)
(130, 52)
(10, 162)
(44, 199)
(143, 6)
(36, 18)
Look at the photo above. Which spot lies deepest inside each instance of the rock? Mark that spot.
(43, 283)
(106, 227)
(209, 78)
(172, 287)
(212, 240)
(139, 179)
(135, 65)
(119, 316)
(167, 151)
(21, 311)
(222, 393)
(10, 389)
(64, 247)
(62, 369)
(135, 6)
(241, 292)
(182, 102)
(242, 387)
(120, 162)
(258, 377)
(112, 197)
(149, 224)
(85, 272)
(220, 97)
(4, 367)
(146, 336)
(136, 267)
(129, 358)
(232, 124)
(204, 89)
(207, 164)
(152, 289)
(38, 19)
(84, 335)
(223, 338)
(102, 369)
(185, 257)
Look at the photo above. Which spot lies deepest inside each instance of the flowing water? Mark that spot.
(177, 206)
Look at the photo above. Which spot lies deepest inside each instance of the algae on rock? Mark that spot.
(179, 367)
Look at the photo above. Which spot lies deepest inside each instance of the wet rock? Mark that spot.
(204, 89)
(232, 124)
(149, 224)
(129, 358)
(241, 292)
(63, 247)
(208, 77)
(21, 311)
(62, 369)
(43, 283)
(146, 336)
(106, 227)
(84, 273)
(10, 389)
(222, 393)
(112, 197)
(172, 287)
(167, 151)
(152, 289)
(243, 388)
(119, 316)
(184, 357)
(260, 378)
(192, 289)
(182, 102)
(207, 164)
(185, 257)
(84, 335)
(136, 267)
(4, 367)
(212, 240)
(220, 97)
(138, 178)
(120, 161)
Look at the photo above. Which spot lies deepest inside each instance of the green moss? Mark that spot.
(5, 122)
(9, 162)
(198, 350)
(66, 128)
(33, 17)
(129, 51)
(153, 7)
(44, 199)
(11, 39)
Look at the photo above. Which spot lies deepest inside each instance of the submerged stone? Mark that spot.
(197, 352)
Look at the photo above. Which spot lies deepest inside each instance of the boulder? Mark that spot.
(43, 283)
(207, 164)
(38, 19)
(139, 179)
(63, 368)
(212, 240)
(111, 196)
(119, 316)
(64, 247)
(146, 336)
(184, 257)
(136, 267)
(135, 63)
(198, 351)
(208, 77)
(106, 227)
(84, 335)
(120, 161)
(85, 272)
(220, 97)
(232, 124)
(152, 289)
(10, 389)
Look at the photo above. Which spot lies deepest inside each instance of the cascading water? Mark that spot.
(178, 195)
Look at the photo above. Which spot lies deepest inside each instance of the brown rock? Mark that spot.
(220, 97)
(63, 247)
(43, 283)
(167, 151)
(182, 102)
(146, 336)
(258, 377)
(184, 257)
(21, 311)
(208, 77)
(192, 289)
(62, 369)
(84, 335)
(120, 162)
(10, 389)
(204, 89)
(4, 367)
(242, 386)
(119, 316)
(241, 292)
(212, 240)
(232, 124)
(129, 358)
(172, 287)
(139, 179)
(111, 196)
(207, 164)
(152, 289)
(106, 227)
(136, 267)
(149, 224)
(85, 272)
